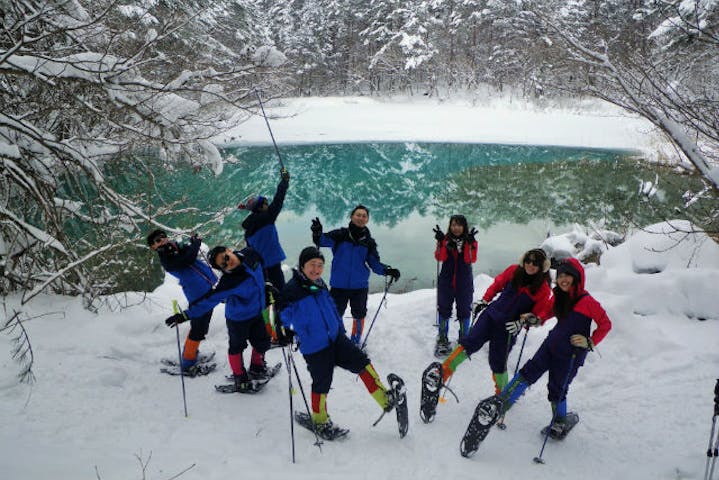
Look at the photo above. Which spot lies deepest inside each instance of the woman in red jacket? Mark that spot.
(457, 250)
(566, 346)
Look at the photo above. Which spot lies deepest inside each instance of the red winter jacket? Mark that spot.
(587, 307)
(515, 302)
(456, 271)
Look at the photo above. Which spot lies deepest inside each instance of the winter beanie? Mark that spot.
(212, 254)
(253, 203)
(153, 235)
(308, 253)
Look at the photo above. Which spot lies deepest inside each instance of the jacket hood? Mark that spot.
(573, 267)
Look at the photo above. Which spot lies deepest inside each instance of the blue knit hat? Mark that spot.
(253, 203)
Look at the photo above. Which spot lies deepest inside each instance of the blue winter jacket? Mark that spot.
(261, 232)
(195, 276)
(353, 254)
(307, 308)
(242, 290)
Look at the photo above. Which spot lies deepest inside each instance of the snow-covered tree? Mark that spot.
(671, 82)
(86, 85)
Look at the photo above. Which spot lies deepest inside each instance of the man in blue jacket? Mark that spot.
(261, 232)
(242, 288)
(309, 311)
(196, 279)
(354, 254)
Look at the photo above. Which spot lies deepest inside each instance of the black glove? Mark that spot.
(471, 235)
(438, 233)
(176, 319)
(285, 336)
(270, 293)
(513, 326)
(392, 272)
(195, 238)
(479, 306)
(316, 226)
(316, 230)
(285, 174)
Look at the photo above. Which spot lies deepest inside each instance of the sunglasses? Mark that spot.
(225, 261)
(159, 239)
(533, 261)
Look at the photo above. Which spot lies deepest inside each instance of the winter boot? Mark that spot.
(329, 431)
(189, 354)
(258, 367)
(258, 371)
(374, 386)
(442, 346)
(242, 382)
(357, 327)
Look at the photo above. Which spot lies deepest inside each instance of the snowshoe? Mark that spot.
(201, 358)
(484, 417)
(327, 431)
(561, 429)
(246, 385)
(197, 370)
(264, 373)
(431, 385)
(399, 397)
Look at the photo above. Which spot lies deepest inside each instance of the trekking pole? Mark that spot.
(267, 122)
(554, 416)
(521, 349)
(713, 454)
(291, 361)
(436, 296)
(176, 309)
(292, 408)
(387, 283)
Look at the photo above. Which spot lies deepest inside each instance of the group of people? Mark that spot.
(306, 308)
(519, 298)
(251, 278)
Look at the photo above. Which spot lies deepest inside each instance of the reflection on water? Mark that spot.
(514, 195)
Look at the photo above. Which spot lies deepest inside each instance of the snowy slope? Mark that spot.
(101, 409)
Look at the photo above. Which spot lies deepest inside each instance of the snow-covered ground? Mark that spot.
(101, 409)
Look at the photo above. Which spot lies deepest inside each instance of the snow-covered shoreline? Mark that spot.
(591, 124)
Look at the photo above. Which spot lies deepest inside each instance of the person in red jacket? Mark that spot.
(457, 250)
(524, 299)
(566, 346)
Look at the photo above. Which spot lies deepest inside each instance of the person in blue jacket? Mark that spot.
(309, 311)
(261, 232)
(242, 288)
(354, 254)
(196, 279)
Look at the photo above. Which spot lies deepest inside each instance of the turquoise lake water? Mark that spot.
(514, 196)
